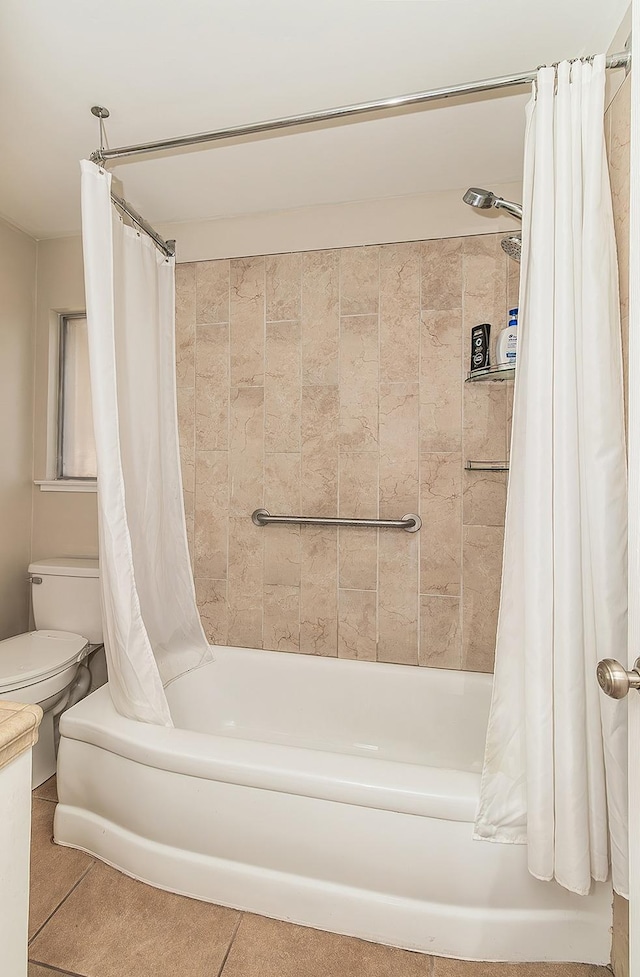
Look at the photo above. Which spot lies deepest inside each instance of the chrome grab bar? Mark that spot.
(411, 523)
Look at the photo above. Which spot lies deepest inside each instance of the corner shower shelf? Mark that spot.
(487, 466)
(497, 372)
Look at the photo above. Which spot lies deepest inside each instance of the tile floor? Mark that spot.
(88, 920)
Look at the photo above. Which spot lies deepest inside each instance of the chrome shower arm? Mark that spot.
(511, 208)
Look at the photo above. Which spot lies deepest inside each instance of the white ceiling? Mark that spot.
(170, 67)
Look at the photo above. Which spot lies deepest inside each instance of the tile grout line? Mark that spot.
(231, 942)
(56, 970)
(61, 903)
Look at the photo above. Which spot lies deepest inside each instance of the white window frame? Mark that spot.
(56, 481)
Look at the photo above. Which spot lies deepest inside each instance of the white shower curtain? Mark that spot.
(555, 764)
(151, 625)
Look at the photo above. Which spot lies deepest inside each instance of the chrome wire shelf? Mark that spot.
(487, 466)
(497, 372)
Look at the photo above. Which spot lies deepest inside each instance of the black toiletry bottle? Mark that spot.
(480, 346)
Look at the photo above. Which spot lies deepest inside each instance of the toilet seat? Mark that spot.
(35, 656)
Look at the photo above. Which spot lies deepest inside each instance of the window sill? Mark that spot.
(67, 484)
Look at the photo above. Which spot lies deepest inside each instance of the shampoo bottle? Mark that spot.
(507, 344)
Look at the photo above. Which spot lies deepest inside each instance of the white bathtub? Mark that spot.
(336, 794)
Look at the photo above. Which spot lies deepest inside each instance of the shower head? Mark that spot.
(484, 199)
(512, 245)
(479, 198)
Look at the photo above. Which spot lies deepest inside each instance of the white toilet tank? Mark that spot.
(68, 596)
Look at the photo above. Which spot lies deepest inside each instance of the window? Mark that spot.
(76, 454)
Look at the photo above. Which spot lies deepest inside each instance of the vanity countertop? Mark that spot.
(18, 729)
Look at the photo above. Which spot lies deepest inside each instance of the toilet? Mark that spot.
(49, 666)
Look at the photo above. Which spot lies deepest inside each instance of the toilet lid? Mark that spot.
(31, 657)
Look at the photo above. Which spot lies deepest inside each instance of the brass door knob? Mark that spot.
(614, 679)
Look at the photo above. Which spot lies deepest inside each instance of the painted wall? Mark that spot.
(617, 132)
(332, 382)
(414, 217)
(17, 308)
(64, 524)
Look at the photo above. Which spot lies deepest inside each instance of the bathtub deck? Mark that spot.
(89, 920)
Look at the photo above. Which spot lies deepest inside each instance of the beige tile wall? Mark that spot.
(331, 382)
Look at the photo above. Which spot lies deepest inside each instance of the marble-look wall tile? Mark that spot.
(320, 320)
(513, 285)
(358, 484)
(358, 500)
(282, 618)
(247, 320)
(440, 386)
(359, 357)
(399, 312)
(186, 435)
(185, 324)
(620, 942)
(246, 450)
(211, 514)
(484, 498)
(482, 567)
(319, 592)
(441, 274)
(283, 281)
(211, 598)
(282, 387)
(282, 496)
(440, 536)
(245, 582)
(399, 410)
(332, 383)
(357, 625)
(484, 421)
(484, 294)
(319, 437)
(358, 558)
(282, 555)
(620, 177)
(359, 280)
(212, 291)
(509, 423)
(487, 244)
(440, 632)
(212, 387)
(398, 597)
(282, 482)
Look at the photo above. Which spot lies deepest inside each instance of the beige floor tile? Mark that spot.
(54, 870)
(270, 948)
(443, 967)
(36, 971)
(48, 791)
(113, 926)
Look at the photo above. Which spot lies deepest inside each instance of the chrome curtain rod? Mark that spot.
(168, 248)
(102, 155)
